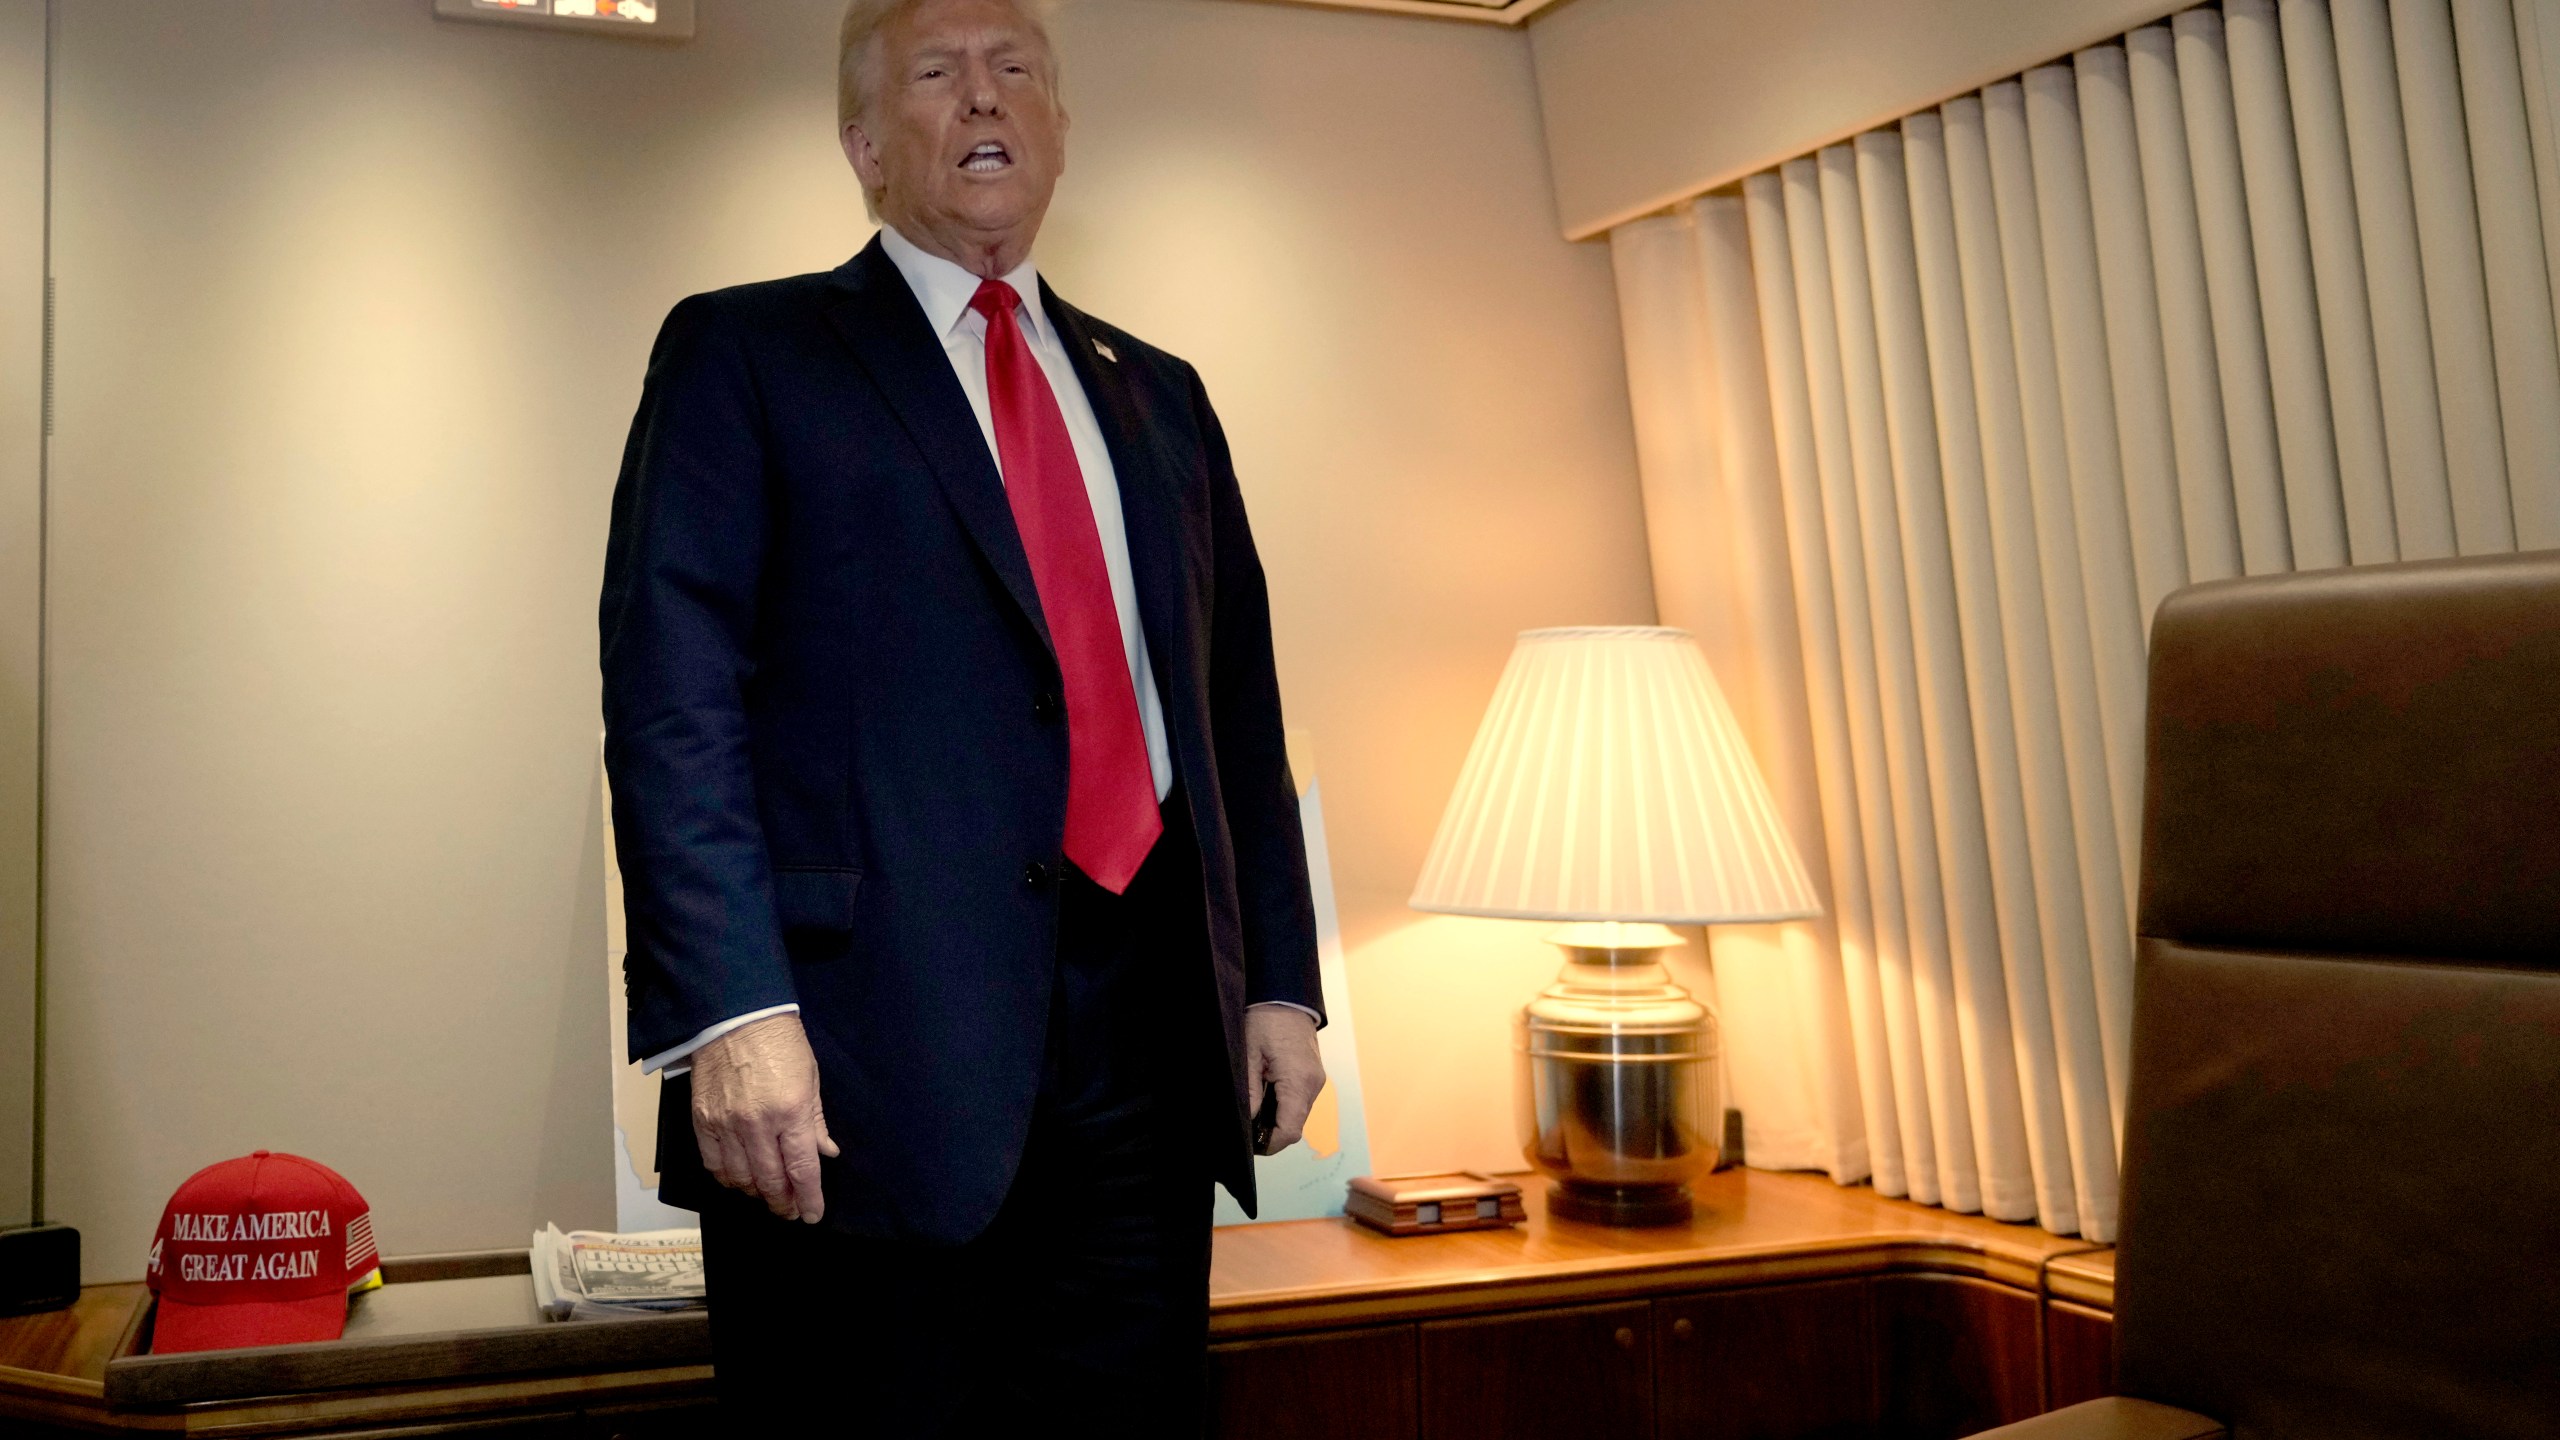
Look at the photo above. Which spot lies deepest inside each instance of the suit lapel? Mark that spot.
(877, 315)
(1150, 507)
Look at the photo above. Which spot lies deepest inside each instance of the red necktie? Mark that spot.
(1112, 820)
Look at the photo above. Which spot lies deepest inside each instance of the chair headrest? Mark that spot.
(2364, 761)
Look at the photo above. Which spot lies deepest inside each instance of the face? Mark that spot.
(962, 139)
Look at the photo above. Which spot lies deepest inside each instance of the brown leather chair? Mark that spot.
(2342, 1142)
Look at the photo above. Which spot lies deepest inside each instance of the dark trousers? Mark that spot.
(1083, 1307)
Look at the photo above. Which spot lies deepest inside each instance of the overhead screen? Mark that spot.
(631, 19)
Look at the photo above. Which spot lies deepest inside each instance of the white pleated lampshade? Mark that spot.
(1609, 782)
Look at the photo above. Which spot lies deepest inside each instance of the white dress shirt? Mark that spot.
(945, 290)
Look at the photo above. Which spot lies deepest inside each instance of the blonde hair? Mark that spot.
(857, 42)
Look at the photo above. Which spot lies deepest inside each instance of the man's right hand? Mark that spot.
(757, 1118)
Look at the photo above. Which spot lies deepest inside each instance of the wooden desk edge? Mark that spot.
(461, 1399)
(14, 1381)
(1268, 1312)
(2086, 1279)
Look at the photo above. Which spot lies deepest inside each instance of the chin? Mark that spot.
(990, 212)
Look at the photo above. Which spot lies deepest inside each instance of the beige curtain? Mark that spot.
(1931, 420)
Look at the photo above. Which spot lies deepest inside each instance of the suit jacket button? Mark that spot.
(1046, 706)
(1035, 873)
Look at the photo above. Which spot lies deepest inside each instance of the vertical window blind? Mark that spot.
(1931, 420)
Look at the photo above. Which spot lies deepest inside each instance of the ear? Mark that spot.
(863, 155)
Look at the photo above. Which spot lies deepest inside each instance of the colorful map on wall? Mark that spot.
(1307, 1180)
(635, 1096)
(1302, 1183)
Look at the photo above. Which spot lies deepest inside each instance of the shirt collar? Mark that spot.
(944, 289)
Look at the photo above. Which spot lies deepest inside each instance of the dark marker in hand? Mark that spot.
(1267, 1119)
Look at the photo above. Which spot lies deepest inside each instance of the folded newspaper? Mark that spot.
(594, 1275)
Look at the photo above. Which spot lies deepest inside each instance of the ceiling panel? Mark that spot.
(1482, 12)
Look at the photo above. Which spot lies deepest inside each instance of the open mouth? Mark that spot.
(988, 158)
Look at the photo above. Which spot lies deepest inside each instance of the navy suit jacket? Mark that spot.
(839, 771)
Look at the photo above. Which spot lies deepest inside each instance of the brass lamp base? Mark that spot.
(1629, 1205)
(1617, 1074)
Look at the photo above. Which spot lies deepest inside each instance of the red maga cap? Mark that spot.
(261, 1250)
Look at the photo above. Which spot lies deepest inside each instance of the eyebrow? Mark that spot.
(1000, 50)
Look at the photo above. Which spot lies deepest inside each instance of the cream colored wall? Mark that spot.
(21, 409)
(354, 310)
(1344, 220)
(1651, 101)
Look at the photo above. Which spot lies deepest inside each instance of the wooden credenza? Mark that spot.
(1789, 1307)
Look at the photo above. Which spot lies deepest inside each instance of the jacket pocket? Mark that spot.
(815, 904)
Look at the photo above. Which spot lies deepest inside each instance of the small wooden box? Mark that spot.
(1431, 1204)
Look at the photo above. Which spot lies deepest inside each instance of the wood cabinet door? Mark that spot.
(1786, 1362)
(1348, 1385)
(1954, 1356)
(2080, 1352)
(1584, 1373)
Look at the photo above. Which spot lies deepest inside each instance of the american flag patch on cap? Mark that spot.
(360, 1254)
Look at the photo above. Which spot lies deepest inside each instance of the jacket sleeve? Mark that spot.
(677, 623)
(1251, 745)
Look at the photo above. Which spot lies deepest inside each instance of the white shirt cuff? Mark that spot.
(1290, 1004)
(670, 1061)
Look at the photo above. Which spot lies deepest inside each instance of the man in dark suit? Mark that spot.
(968, 903)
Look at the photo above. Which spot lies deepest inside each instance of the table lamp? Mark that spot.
(1610, 789)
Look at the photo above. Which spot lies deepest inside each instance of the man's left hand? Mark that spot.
(1280, 1047)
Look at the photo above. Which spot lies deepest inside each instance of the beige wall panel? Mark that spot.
(21, 454)
(1649, 101)
(355, 309)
